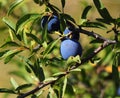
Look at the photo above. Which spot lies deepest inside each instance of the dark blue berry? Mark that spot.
(70, 47)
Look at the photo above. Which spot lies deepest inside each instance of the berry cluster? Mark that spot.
(69, 45)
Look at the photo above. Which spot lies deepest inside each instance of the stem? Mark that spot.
(106, 42)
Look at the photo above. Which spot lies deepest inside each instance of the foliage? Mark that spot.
(46, 74)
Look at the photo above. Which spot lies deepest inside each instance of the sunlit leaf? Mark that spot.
(34, 37)
(9, 57)
(50, 79)
(25, 19)
(75, 70)
(9, 23)
(85, 12)
(24, 37)
(13, 5)
(10, 43)
(72, 60)
(14, 83)
(58, 74)
(64, 87)
(50, 47)
(20, 74)
(3, 52)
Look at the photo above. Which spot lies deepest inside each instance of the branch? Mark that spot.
(106, 42)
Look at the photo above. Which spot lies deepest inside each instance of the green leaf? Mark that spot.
(13, 5)
(9, 23)
(24, 37)
(38, 71)
(9, 57)
(50, 79)
(96, 41)
(5, 90)
(10, 43)
(59, 74)
(53, 8)
(25, 19)
(72, 60)
(24, 86)
(34, 37)
(94, 24)
(64, 87)
(85, 12)
(63, 3)
(75, 70)
(115, 71)
(68, 17)
(14, 83)
(28, 69)
(3, 52)
(102, 10)
(70, 90)
(50, 47)
(21, 75)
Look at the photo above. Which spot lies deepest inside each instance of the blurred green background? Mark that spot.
(73, 7)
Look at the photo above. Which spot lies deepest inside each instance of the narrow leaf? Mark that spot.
(102, 10)
(13, 5)
(10, 43)
(24, 86)
(58, 74)
(9, 23)
(24, 37)
(72, 60)
(64, 86)
(34, 37)
(9, 57)
(75, 70)
(50, 79)
(14, 83)
(50, 47)
(115, 71)
(85, 12)
(63, 3)
(94, 24)
(25, 19)
(3, 52)
(38, 71)
(5, 90)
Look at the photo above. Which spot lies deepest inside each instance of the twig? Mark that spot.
(106, 42)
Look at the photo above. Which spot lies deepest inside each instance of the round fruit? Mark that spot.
(73, 35)
(52, 22)
(70, 47)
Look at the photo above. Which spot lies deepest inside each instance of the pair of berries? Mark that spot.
(70, 45)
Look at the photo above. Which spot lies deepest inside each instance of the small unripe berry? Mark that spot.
(52, 23)
(70, 47)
